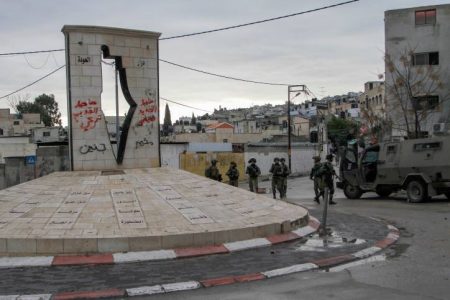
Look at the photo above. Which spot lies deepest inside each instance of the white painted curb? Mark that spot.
(304, 231)
(181, 286)
(143, 256)
(14, 262)
(247, 244)
(290, 270)
(27, 297)
(366, 252)
(145, 290)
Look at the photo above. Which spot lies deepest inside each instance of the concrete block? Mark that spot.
(203, 239)
(94, 50)
(240, 234)
(113, 245)
(177, 241)
(119, 51)
(136, 52)
(49, 246)
(21, 246)
(266, 230)
(132, 42)
(92, 71)
(104, 39)
(221, 237)
(119, 41)
(80, 245)
(2, 245)
(96, 81)
(92, 91)
(144, 243)
(88, 38)
(286, 227)
(85, 81)
(75, 81)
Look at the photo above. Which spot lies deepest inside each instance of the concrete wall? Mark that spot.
(15, 170)
(15, 146)
(136, 55)
(170, 154)
(52, 159)
(301, 157)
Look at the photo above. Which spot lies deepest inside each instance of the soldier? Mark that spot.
(253, 172)
(277, 178)
(233, 174)
(327, 173)
(285, 175)
(313, 176)
(213, 172)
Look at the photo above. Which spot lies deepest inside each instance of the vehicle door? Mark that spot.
(349, 167)
(388, 164)
(368, 164)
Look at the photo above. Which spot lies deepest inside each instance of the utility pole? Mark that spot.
(298, 89)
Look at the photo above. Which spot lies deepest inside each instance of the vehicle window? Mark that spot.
(350, 156)
(427, 146)
(370, 157)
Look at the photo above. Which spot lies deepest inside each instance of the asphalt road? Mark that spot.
(417, 267)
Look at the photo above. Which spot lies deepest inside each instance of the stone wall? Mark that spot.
(135, 54)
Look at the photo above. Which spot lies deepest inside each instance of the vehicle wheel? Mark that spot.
(416, 191)
(352, 192)
(383, 191)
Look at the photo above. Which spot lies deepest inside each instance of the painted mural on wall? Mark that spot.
(135, 55)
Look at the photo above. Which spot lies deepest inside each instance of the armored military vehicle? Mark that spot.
(419, 166)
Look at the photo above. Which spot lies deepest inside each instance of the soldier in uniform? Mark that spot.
(277, 178)
(327, 173)
(253, 172)
(285, 175)
(313, 176)
(233, 174)
(213, 172)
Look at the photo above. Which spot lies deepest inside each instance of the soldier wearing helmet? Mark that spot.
(213, 172)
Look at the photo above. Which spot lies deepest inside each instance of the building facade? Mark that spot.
(417, 69)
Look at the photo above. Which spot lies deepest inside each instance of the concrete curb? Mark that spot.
(116, 258)
(326, 263)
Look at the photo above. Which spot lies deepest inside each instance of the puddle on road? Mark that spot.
(317, 243)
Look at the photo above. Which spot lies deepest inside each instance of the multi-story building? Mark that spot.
(372, 103)
(12, 125)
(417, 67)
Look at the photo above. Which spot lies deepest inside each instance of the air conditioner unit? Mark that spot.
(440, 128)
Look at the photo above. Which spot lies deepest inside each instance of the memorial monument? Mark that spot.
(120, 199)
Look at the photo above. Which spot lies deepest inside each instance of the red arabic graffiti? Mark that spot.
(147, 112)
(87, 113)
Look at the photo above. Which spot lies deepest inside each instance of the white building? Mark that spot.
(417, 42)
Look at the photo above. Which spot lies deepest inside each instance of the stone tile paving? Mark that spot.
(139, 203)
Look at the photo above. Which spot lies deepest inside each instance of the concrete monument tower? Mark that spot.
(135, 54)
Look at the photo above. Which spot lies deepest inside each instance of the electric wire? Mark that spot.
(223, 76)
(260, 21)
(34, 82)
(171, 101)
(40, 67)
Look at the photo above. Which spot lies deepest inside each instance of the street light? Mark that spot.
(298, 89)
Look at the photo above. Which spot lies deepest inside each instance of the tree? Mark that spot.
(341, 130)
(414, 93)
(45, 105)
(167, 125)
(193, 120)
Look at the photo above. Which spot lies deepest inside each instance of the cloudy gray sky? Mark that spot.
(333, 51)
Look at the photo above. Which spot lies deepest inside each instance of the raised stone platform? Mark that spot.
(88, 212)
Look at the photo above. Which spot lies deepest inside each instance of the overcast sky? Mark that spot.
(333, 51)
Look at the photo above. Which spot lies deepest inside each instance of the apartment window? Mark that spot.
(1, 131)
(46, 133)
(16, 122)
(426, 102)
(429, 58)
(424, 17)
